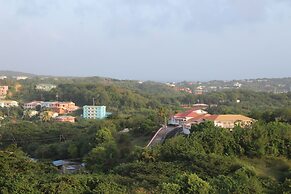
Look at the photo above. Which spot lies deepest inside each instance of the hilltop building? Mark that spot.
(45, 87)
(94, 112)
(21, 77)
(187, 116)
(237, 85)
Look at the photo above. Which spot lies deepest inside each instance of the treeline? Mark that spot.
(52, 140)
(117, 94)
(210, 160)
(132, 96)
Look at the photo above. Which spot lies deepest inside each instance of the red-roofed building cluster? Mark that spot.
(198, 115)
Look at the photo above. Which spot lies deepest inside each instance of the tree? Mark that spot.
(102, 158)
(103, 135)
(46, 116)
(187, 183)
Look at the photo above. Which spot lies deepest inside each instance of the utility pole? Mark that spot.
(62, 138)
(93, 101)
(8, 112)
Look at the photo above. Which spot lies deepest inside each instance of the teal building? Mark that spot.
(94, 112)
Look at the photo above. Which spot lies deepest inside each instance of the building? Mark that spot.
(8, 103)
(3, 90)
(187, 116)
(45, 87)
(196, 115)
(65, 107)
(69, 119)
(68, 166)
(201, 106)
(237, 85)
(187, 90)
(94, 112)
(60, 107)
(32, 105)
(48, 104)
(199, 90)
(230, 121)
(3, 77)
(21, 77)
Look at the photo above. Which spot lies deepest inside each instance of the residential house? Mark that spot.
(237, 85)
(171, 84)
(8, 103)
(187, 90)
(48, 104)
(94, 112)
(3, 77)
(69, 119)
(21, 77)
(60, 107)
(199, 90)
(65, 107)
(3, 90)
(45, 87)
(32, 105)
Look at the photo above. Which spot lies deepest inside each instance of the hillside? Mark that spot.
(15, 73)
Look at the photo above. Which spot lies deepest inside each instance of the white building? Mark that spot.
(32, 105)
(21, 78)
(237, 85)
(8, 103)
(48, 104)
(45, 87)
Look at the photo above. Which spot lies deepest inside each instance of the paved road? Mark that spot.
(160, 135)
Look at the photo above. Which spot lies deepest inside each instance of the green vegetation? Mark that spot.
(210, 160)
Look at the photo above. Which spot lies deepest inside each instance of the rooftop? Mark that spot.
(228, 117)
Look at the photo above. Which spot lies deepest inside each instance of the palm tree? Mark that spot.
(46, 116)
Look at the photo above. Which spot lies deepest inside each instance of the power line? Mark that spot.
(60, 138)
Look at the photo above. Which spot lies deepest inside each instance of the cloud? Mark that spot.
(147, 39)
(143, 15)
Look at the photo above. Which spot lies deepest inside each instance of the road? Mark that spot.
(160, 135)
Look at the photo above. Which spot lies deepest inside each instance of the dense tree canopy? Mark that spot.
(255, 159)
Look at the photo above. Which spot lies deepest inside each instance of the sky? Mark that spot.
(161, 40)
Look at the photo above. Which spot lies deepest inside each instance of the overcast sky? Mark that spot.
(147, 39)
